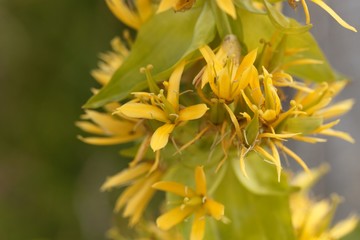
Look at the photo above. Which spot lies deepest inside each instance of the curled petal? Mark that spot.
(161, 136)
(192, 112)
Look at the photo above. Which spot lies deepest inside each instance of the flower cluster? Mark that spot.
(219, 103)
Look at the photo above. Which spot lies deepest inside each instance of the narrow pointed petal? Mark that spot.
(198, 226)
(200, 180)
(145, 9)
(247, 62)
(125, 176)
(193, 112)
(140, 110)
(89, 127)
(109, 140)
(174, 187)
(339, 134)
(294, 156)
(344, 227)
(215, 209)
(173, 217)
(242, 162)
(270, 157)
(174, 86)
(234, 120)
(161, 136)
(336, 109)
(166, 5)
(123, 13)
(324, 6)
(227, 6)
(127, 194)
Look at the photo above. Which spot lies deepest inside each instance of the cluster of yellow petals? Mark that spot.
(166, 110)
(311, 219)
(195, 201)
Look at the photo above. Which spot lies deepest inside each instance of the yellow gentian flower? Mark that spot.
(166, 110)
(195, 202)
(226, 77)
(135, 197)
(110, 129)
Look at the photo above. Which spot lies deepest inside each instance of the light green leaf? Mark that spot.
(303, 125)
(262, 176)
(283, 23)
(163, 41)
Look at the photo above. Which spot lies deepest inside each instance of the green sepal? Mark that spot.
(165, 40)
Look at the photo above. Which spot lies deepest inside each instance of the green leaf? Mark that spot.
(251, 216)
(258, 27)
(252, 130)
(303, 125)
(262, 176)
(163, 41)
(283, 23)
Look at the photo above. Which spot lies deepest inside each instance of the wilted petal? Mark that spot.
(215, 209)
(174, 187)
(193, 112)
(161, 136)
(140, 110)
(198, 226)
(173, 217)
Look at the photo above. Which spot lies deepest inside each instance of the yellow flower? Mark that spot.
(181, 5)
(163, 109)
(311, 219)
(111, 61)
(110, 129)
(226, 77)
(137, 196)
(195, 202)
(324, 6)
(133, 16)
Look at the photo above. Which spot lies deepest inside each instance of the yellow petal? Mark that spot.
(125, 176)
(198, 226)
(174, 187)
(89, 127)
(161, 136)
(192, 112)
(242, 162)
(234, 120)
(144, 8)
(215, 209)
(140, 110)
(140, 200)
(324, 6)
(173, 217)
(200, 180)
(128, 193)
(227, 6)
(294, 156)
(123, 13)
(339, 134)
(336, 109)
(247, 62)
(343, 228)
(174, 86)
(166, 5)
(223, 85)
(109, 140)
(272, 158)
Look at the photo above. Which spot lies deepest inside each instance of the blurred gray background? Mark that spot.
(49, 181)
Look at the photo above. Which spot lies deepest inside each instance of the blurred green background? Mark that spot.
(49, 181)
